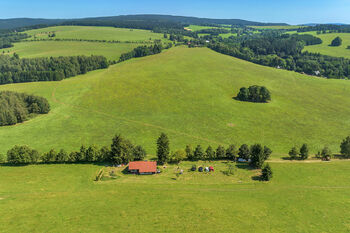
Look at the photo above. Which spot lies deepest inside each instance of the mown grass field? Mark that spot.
(302, 197)
(111, 51)
(186, 93)
(324, 48)
(94, 33)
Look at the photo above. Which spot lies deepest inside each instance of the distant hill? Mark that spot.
(315, 24)
(115, 20)
(24, 22)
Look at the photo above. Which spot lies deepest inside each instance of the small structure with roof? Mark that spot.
(143, 167)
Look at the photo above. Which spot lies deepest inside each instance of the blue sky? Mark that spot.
(293, 12)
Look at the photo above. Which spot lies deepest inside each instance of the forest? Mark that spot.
(18, 107)
(143, 51)
(285, 52)
(16, 70)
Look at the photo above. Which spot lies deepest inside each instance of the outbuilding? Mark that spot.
(143, 167)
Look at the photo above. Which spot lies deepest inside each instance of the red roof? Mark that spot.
(143, 166)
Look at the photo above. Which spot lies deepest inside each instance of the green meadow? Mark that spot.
(94, 33)
(302, 197)
(186, 93)
(198, 27)
(111, 51)
(324, 48)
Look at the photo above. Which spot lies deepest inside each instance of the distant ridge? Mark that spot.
(24, 22)
(315, 24)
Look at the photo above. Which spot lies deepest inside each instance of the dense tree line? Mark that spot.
(16, 70)
(143, 51)
(120, 151)
(259, 94)
(7, 38)
(214, 31)
(303, 62)
(326, 28)
(17, 107)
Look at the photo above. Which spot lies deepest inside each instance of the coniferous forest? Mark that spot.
(16, 70)
(18, 107)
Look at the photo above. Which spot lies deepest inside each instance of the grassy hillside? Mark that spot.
(325, 49)
(69, 48)
(303, 197)
(186, 93)
(95, 33)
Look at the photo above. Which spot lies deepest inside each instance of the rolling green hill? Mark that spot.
(186, 93)
(95, 33)
(111, 51)
(325, 49)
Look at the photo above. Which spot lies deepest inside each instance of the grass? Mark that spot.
(95, 33)
(186, 93)
(302, 197)
(198, 27)
(325, 49)
(69, 48)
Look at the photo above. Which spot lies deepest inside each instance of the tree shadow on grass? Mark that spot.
(256, 178)
(246, 166)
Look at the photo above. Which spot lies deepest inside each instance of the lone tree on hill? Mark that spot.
(304, 152)
(163, 149)
(266, 173)
(345, 147)
(337, 41)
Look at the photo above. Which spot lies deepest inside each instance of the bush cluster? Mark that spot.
(259, 94)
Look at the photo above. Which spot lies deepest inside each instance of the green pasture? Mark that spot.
(325, 49)
(111, 51)
(302, 197)
(94, 33)
(186, 93)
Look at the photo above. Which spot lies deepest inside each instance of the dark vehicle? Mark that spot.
(194, 168)
(200, 169)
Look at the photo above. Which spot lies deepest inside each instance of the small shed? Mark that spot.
(143, 167)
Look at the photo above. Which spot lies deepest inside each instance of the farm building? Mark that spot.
(143, 167)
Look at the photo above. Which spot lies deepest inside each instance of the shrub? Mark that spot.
(178, 156)
(22, 155)
(345, 147)
(266, 173)
(304, 152)
(293, 153)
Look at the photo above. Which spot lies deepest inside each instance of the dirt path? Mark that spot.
(79, 108)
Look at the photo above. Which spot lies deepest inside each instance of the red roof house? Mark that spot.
(143, 167)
